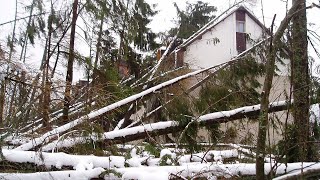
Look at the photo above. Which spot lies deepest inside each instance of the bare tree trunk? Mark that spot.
(98, 49)
(263, 121)
(13, 97)
(47, 85)
(3, 84)
(95, 65)
(2, 101)
(25, 44)
(67, 93)
(300, 79)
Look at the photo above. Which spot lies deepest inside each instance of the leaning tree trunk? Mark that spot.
(67, 92)
(300, 80)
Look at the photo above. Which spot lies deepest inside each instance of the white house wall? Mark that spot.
(253, 30)
(204, 53)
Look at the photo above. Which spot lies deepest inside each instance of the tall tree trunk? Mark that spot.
(300, 80)
(2, 101)
(3, 83)
(270, 65)
(95, 64)
(25, 44)
(264, 119)
(13, 98)
(98, 49)
(67, 93)
(46, 84)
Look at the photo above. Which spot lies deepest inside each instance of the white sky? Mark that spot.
(164, 20)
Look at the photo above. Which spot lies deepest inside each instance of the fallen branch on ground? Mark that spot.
(167, 127)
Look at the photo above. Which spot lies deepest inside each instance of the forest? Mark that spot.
(89, 90)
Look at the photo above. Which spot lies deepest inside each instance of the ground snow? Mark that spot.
(54, 175)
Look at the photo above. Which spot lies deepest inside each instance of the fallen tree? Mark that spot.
(167, 127)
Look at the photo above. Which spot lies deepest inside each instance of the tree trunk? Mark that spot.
(67, 92)
(98, 49)
(25, 44)
(300, 80)
(46, 84)
(95, 65)
(4, 82)
(263, 119)
(2, 101)
(263, 122)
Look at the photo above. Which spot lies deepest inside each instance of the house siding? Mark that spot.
(206, 51)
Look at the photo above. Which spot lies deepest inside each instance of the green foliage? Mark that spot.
(290, 148)
(36, 25)
(153, 150)
(180, 111)
(195, 16)
(230, 134)
(233, 87)
(167, 160)
(110, 172)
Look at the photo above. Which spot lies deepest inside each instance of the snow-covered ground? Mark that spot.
(140, 164)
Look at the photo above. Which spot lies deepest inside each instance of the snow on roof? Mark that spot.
(219, 19)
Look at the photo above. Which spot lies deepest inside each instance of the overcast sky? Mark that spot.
(164, 20)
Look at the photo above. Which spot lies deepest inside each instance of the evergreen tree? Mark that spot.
(129, 20)
(193, 18)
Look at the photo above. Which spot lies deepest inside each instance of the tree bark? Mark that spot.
(25, 44)
(46, 84)
(300, 79)
(4, 82)
(98, 48)
(69, 76)
(263, 121)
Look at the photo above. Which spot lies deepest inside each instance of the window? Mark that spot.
(240, 26)
(241, 30)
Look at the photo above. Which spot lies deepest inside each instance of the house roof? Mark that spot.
(217, 20)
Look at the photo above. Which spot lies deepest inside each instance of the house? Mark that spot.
(223, 38)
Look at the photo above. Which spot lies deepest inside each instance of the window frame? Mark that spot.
(243, 26)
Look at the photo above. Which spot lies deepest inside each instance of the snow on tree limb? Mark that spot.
(59, 160)
(167, 127)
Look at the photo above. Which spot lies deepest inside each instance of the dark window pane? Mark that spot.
(241, 15)
(241, 41)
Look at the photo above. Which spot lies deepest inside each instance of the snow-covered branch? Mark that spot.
(167, 127)
(58, 160)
